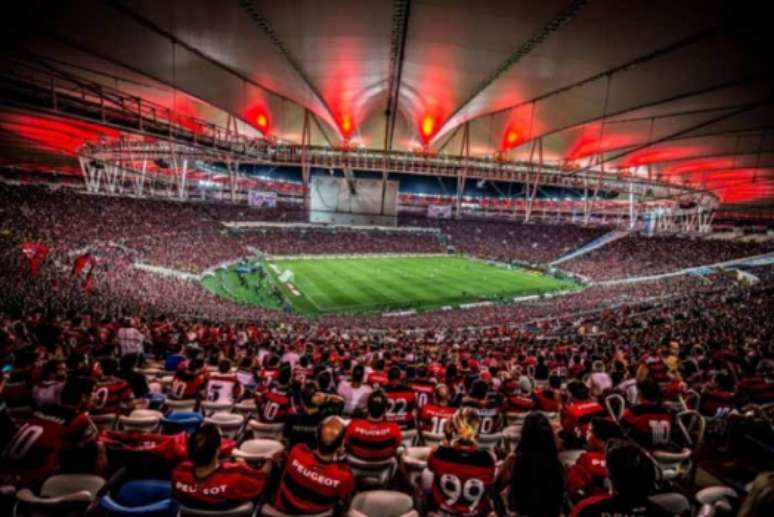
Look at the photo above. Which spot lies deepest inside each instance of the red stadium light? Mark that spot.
(262, 121)
(510, 139)
(346, 125)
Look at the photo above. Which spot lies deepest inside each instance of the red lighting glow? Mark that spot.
(262, 121)
(427, 127)
(346, 125)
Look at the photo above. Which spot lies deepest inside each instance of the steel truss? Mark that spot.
(152, 133)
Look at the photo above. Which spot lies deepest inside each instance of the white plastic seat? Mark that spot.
(244, 510)
(181, 405)
(372, 473)
(230, 424)
(246, 408)
(714, 498)
(431, 439)
(489, 441)
(382, 503)
(673, 502)
(265, 431)
(62, 494)
(140, 420)
(104, 422)
(268, 510)
(672, 464)
(208, 408)
(166, 381)
(615, 405)
(513, 418)
(512, 436)
(258, 450)
(409, 437)
(568, 458)
(414, 460)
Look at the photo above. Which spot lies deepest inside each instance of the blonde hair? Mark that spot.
(466, 423)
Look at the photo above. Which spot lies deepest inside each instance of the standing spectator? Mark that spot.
(130, 340)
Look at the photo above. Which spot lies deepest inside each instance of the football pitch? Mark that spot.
(324, 285)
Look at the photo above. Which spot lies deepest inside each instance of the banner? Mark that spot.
(261, 199)
(36, 254)
(439, 211)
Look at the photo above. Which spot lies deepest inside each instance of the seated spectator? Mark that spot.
(223, 386)
(633, 477)
(314, 481)
(301, 425)
(577, 414)
(274, 404)
(402, 400)
(649, 423)
(190, 381)
(422, 387)
(760, 500)
(49, 389)
(111, 394)
(354, 391)
(54, 436)
(599, 381)
(549, 399)
(373, 438)
(720, 396)
(588, 475)
(534, 474)
(205, 482)
(488, 410)
(436, 415)
(137, 381)
(463, 473)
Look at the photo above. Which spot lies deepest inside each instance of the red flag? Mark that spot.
(36, 254)
(88, 285)
(80, 263)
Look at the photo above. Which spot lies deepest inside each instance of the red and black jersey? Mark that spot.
(650, 425)
(111, 395)
(370, 440)
(223, 387)
(577, 415)
(760, 390)
(274, 405)
(489, 412)
(461, 478)
(715, 400)
(310, 486)
(657, 368)
(520, 404)
(548, 400)
(401, 405)
(169, 448)
(34, 450)
(588, 475)
(377, 377)
(187, 386)
(423, 391)
(230, 485)
(605, 505)
(433, 418)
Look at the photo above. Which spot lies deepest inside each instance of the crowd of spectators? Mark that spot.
(635, 256)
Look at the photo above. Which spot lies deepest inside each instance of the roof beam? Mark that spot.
(565, 16)
(256, 14)
(650, 56)
(400, 17)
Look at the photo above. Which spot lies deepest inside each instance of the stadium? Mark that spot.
(386, 258)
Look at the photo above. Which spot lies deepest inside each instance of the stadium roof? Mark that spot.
(684, 88)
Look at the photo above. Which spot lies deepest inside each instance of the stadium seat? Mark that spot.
(372, 473)
(514, 418)
(181, 405)
(140, 420)
(512, 436)
(673, 502)
(489, 441)
(246, 408)
(432, 438)
(715, 499)
(268, 510)
(672, 464)
(265, 431)
(166, 381)
(177, 421)
(382, 503)
(145, 497)
(244, 510)
(691, 399)
(207, 408)
(615, 405)
(259, 450)
(568, 458)
(61, 496)
(105, 422)
(409, 437)
(230, 424)
(414, 461)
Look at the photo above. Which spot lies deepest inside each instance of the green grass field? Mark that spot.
(368, 284)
